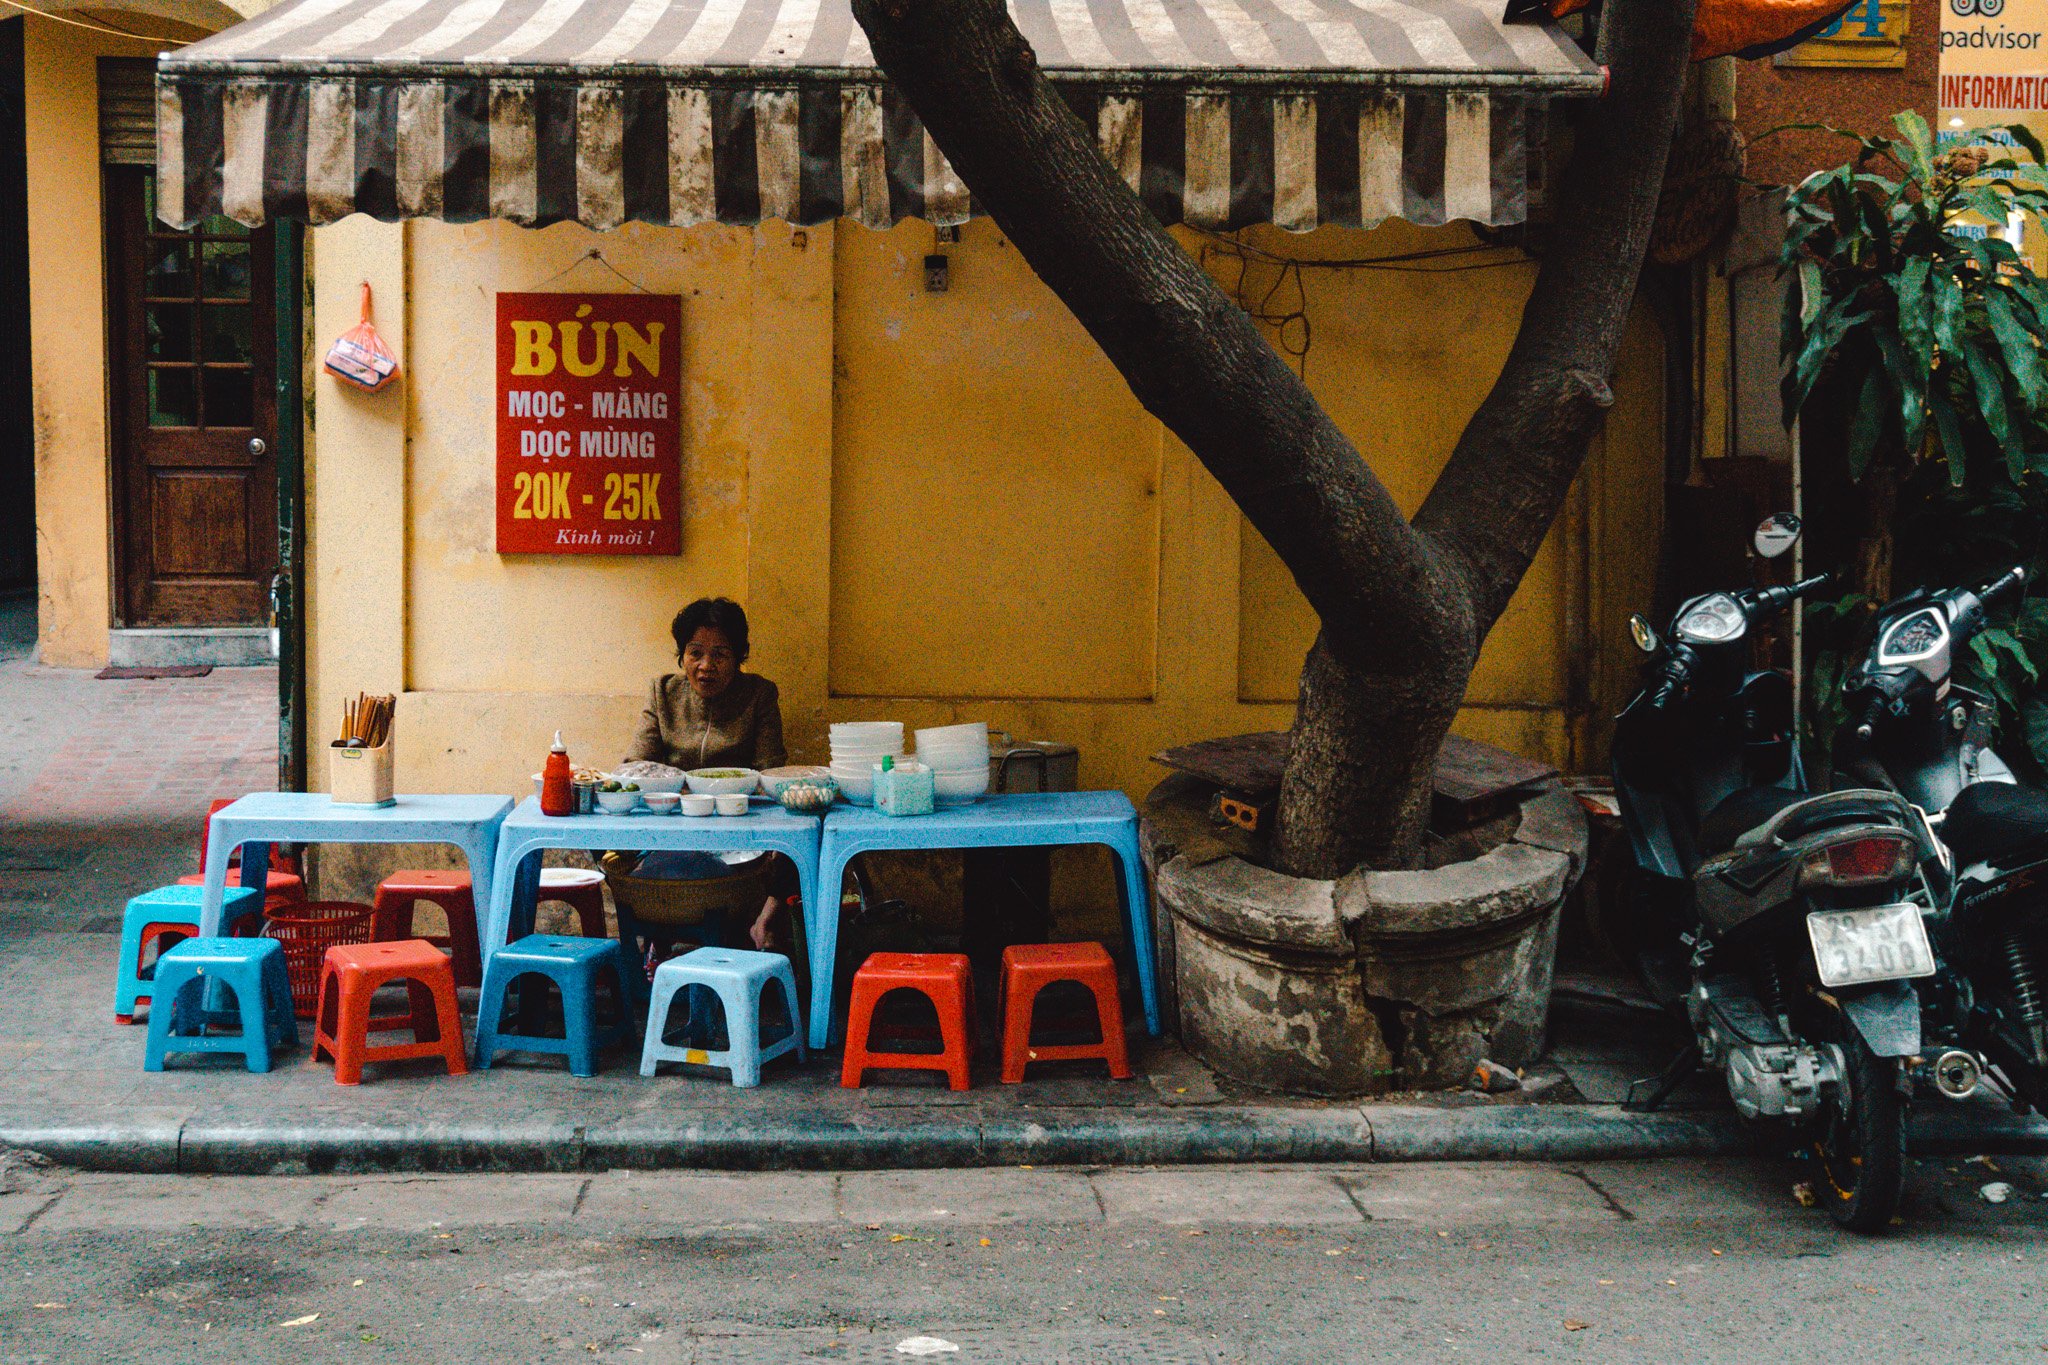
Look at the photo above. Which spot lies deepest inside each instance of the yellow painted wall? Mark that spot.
(67, 305)
(935, 506)
(67, 334)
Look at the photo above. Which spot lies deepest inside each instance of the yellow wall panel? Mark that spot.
(481, 621)
(995, 486)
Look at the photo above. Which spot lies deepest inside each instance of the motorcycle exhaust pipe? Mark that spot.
(1957, 1074)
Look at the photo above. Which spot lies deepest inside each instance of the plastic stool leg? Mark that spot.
(1109, 1012)
(579, 1020)
(953, 1036)
(351, 1033)
(490, 1008)
(393, 920)
(128, 987)
(159, 1040)
(860, 1018)
(450, 1023)
(255, 1011)
(663, 996)
(466, 954)
(742, 1031)
(1019, 1002)
(787, 977)
(277, 996)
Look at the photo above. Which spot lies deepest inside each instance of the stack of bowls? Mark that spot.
(857, 746)
(958, 758)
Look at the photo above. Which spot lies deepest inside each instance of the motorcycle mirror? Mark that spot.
(1645, 636)
(1776, 534)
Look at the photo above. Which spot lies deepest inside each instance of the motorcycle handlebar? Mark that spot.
(1770, 599)
(1873, 711)
(2005, 583)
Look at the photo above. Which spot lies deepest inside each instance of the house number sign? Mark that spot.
(589, 424)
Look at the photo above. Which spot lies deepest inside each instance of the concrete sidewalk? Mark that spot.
(102, 787)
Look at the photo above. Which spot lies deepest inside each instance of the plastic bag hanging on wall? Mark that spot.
(360, 356)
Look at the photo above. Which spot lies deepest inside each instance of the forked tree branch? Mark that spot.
(1403, 607)
(1515, 461)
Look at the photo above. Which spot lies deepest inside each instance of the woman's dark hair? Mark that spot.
(722, 614)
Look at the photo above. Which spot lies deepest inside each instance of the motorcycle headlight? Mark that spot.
(1712, 620)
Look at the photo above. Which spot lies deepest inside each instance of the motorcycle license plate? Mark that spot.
(1882, 943)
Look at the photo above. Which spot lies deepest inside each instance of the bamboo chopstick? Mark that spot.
(366, 721)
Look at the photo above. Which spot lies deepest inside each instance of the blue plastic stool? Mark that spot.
(738, 979)
(252, 968)
(574, 965)
(167, 907)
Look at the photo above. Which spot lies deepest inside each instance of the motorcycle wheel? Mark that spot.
(1860, 1146)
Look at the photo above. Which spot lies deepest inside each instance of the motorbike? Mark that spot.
(1913, 728)
(1774, 920)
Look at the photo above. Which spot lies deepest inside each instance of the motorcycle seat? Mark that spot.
(1741, 812)
(1992, 820)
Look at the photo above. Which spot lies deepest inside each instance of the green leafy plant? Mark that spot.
(1902, 307)
(1888, 281)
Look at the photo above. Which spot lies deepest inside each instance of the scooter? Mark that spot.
(1774, 920)
(1914, 729)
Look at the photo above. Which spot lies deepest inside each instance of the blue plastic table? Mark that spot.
(1023, 820)
(527, 834)
(256, 821)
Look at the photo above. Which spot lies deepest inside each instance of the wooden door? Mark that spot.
(192, 363)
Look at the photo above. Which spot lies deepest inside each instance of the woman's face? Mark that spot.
(709, 662)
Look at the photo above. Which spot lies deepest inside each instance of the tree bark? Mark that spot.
(1403, 608)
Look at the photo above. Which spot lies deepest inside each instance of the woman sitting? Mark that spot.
(710, 715)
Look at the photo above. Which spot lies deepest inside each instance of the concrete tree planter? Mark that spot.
(1378, 981)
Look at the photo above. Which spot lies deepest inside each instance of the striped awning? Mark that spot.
(1221, 113)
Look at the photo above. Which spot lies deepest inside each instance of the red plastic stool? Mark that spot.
(398, 895)
(351, 976)
(582, 890)
(1029, 968)
(942, 978)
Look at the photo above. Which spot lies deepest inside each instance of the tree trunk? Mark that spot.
(1403, 608)
(1360, 774)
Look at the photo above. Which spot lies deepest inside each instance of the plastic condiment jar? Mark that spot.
(557, 782)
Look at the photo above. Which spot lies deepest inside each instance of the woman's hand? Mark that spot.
(762, 931)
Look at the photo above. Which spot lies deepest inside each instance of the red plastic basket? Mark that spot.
(307, 930)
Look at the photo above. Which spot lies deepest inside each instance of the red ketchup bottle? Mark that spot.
(557, 782)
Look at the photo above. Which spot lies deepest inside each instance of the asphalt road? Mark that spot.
(1630, 1262)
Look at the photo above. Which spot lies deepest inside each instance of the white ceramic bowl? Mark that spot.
(953, 753)
(868, 735)
(959, 787)
(857, 787)
(650, 784)
(731, 803)
(617, 803)
(746, 781)
(862, 762)
(945, 763)
(975, 732)
(690, 803)
(661, 802)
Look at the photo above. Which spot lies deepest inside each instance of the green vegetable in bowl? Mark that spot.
(720, 772)
(610, 787)
(630, 787)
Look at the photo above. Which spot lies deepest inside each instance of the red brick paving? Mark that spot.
(137, 751)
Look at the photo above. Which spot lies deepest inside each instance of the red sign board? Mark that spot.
(590, 391)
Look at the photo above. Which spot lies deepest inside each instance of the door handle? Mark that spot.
(258, 446)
